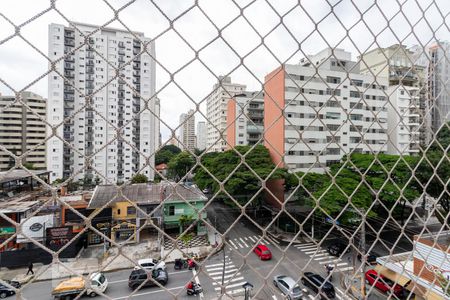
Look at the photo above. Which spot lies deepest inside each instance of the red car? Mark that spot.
(263, 252)
(383, 284)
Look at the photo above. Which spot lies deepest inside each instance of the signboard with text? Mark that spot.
(57, 237)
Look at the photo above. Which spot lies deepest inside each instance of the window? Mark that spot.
(131, 210)
(172, 210)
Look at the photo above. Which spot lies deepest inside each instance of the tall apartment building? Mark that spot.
(201, 135)
(439, 84)
(187, 131)
(216, 112)
(401, 66)
(328, 110)
(403, 121)
(93, 103)
(23, 129)
(245, 119)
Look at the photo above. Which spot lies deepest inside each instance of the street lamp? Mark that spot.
(247, 287)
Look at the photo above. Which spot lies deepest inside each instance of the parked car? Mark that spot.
(371, 258)
(6, 291)
(139, 276)
(383, 284)
(337, 248)
(319, 285)
(263, 252)
(150, 264)
(288, 287)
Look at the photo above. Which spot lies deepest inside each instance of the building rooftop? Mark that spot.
(14, 175)
(17, 205)
(440, 238)
(140, 193)
(172, 192)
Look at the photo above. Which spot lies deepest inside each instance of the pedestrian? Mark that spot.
(30, 268)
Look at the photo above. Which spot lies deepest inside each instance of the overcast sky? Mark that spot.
(340, 24)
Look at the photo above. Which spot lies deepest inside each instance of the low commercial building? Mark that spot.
(245, 119)
(183, 201)
(134, 207)
(425, 270)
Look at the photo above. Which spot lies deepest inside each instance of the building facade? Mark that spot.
(403, 120)
(245, 119)
(327, 111)
(439, 84)
(402, 68)
(201, 135)
(216, 112)
(23, 129)
(98, 105)
(187, 131)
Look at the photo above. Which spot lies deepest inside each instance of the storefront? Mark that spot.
(123, 231)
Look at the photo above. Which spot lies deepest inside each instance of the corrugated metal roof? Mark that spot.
(140, 193)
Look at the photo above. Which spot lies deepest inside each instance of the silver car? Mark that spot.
(288, 287)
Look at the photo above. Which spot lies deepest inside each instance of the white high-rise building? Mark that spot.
(439, 84)
(201, 135)
(187, 131)
(106, 86)
(403, 120)
(216, 112)
(326, 112)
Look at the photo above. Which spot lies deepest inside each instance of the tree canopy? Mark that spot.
(139, 178)
(166, 153)
(180, 165)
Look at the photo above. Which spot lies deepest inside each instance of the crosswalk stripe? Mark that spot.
(306, 249)
(315, 251)
(329, 261)
(213, 265)
(251, 238)
(266, 242)
(311, 297)
(314, 254)
(299, 246)
(245, 244)
(226, 271)
(341, 264)
(233, 244)
(231, 280)
(230, 286)
(322, 258)
(271, 240)
(240, 290)
(220, 268)
(225, 276)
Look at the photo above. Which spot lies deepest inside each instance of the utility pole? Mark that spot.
(363, 254)
(223, 272)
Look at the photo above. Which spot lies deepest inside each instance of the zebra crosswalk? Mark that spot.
(322, 257)
(233, 279)
(250, 241)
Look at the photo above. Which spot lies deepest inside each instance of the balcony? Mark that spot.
(68, 97)
(69, 59)
(69, 42)
(121, 52)
(136, 44)
(90, 63)
(69, 34)
(255, 128)
(69, 66)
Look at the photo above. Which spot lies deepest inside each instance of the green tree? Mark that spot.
(139, 178)
(244, 181)
(29, 166)
(180, 165)
(185, 221)
(166, 153)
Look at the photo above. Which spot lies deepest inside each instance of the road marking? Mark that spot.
(234, 291)
(117, 281)
(272, 240)
(225, 276)
(245, 238)
(266, 242)
(274, 297)
(220, 268)
(316, 254)
(226, 271)
(243, 242)
(301, 246)
(306, 248)
(329, 261)
(213, 265)
(229, 286)
(197, 281)
(311, 297)
(315, 251)
(344, 296)
(233, 244)
(341, 264)
(233, 279)
(254, 241)
(240, 246)
(170, 273)
(148, 293)
(322, 258)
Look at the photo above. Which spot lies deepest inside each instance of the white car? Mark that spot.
(150, 264)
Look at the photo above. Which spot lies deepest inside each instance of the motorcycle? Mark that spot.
(180, 264)
(329, 269)
(194, 288)
(192, 264)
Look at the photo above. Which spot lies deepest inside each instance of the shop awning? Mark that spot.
(398, 278)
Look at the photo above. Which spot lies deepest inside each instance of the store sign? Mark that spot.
(7, 230)
(34, 228)
(57, 237)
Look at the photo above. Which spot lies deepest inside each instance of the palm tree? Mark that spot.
(185, 221)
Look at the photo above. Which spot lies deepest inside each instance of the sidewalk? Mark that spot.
(169, 255)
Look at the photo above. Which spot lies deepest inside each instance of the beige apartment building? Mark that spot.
(23, 129)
